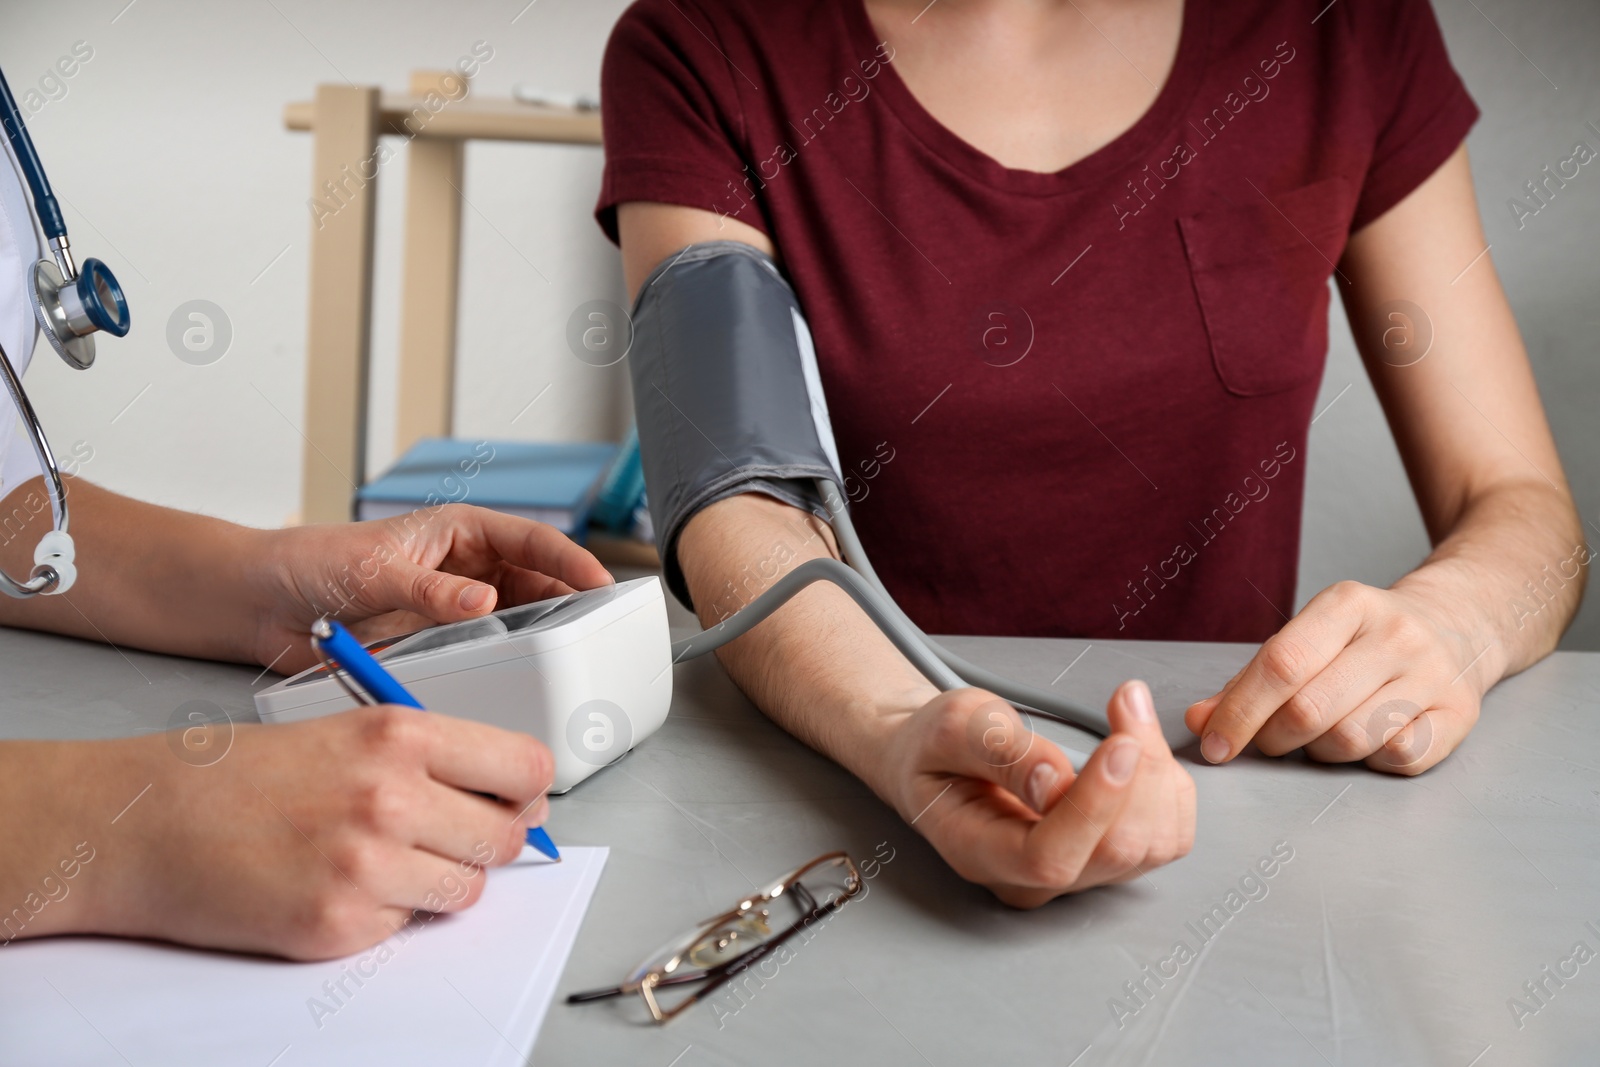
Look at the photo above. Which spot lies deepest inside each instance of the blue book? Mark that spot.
(548, 481)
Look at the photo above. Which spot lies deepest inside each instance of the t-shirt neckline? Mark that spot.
(1104, 162)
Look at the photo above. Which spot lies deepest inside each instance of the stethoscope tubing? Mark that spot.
(44, 200)
(44, 576)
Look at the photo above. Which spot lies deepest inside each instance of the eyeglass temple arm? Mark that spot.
(594, 994)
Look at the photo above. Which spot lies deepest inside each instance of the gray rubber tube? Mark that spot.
(879, 608)
(1025, 697)
(822, 570)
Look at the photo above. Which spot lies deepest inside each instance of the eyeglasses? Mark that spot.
(720, 948)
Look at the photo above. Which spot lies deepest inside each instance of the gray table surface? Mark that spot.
(1410, 914)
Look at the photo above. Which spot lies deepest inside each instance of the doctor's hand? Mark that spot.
(308, 840)
(1005, 809)
(1378, 675)
(396, 575)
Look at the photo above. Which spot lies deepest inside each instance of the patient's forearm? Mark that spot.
(818, 667)
(148, 577)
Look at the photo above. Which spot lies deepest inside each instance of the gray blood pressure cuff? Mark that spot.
(726, 390)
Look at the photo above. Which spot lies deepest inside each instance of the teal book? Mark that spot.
(622, 489)
(553, 482)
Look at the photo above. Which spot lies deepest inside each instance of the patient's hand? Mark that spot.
(1379, 675)
(395, 575)
(308, 840)
(1004, 808)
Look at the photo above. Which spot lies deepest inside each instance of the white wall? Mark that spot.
(169, 153)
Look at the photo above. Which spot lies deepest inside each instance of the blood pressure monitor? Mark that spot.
(589, 674)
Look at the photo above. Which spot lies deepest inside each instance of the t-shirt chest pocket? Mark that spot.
(1260, 272)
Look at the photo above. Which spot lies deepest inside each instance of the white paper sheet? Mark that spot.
(468, 988)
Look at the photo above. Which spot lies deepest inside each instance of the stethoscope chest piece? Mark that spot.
(69, 312)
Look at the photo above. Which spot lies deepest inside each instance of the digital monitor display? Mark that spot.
(524, 618)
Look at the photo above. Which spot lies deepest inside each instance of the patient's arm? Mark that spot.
(960, 767)
(1396, 676)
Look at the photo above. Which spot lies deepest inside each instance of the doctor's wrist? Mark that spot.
(255, 575)
(284, 587)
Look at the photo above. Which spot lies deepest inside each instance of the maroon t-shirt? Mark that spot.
(1072, 403)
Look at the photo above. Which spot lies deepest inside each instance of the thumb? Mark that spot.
(1132, 710)
(1198, 714)
(997, 745)
(433, 594)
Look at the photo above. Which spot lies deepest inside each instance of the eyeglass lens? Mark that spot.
(817, 890)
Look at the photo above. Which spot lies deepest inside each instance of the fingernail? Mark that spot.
(473, 597)
(1214, 747)
(1123, 759)
(1041, 781)
(1140, 702)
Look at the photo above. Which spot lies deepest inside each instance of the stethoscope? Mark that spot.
(70, 305)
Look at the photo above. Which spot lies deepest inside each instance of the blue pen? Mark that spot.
(335, 643)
